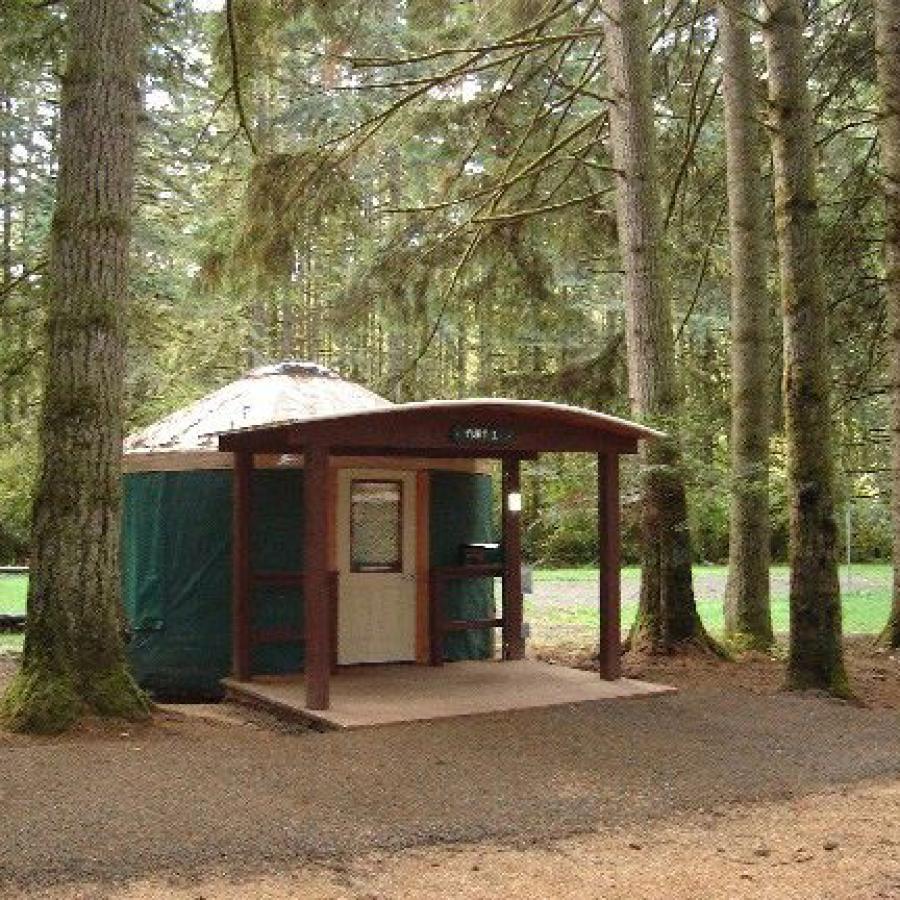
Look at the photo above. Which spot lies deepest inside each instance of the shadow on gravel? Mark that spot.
(189, 797)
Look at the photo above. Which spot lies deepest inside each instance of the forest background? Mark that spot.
(437, 233)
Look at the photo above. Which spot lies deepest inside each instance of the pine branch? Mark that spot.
(479, 52)
(236, 75)
(445, 303)
(519, 214)
(463, 70)
(689, 151)
(537, 25)
(704, 267)
(7, 289)
(541, 163)
(204, 131)
(160, 11)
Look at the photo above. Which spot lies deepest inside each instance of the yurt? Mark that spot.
(177, 536)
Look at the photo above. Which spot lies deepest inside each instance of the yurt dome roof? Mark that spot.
(285, 391)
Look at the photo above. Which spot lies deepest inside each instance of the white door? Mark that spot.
(376, 560)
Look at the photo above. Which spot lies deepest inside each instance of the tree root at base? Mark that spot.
(44, 702)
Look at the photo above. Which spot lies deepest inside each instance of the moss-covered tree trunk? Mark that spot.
(74, 658)
(748, 618)
(888, 31)
(6, 224)
(667, 615)
(816, 656)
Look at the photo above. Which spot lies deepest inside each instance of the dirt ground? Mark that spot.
(874, 672)
(841, 846)
(729, 788)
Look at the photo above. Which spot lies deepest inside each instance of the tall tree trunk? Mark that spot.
(888, 33)
(485, 325)
(461, 353)
(28, 208)
(293, 289)
(667, 614)
(288, 322)
(748, 618)
(7, 397)
(74, 659)
(310, 306)
(259, 338)
(816, 656)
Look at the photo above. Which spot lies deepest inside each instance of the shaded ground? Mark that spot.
(839, 846)
(191, 799)
(874, 672)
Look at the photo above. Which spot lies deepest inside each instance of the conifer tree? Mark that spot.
(74, 659)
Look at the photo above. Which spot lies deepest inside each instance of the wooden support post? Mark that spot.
(240, 561)
(316, 592)
(423, 568)
(436, 619)
(609, 648)
(513, 641)
(334, 582)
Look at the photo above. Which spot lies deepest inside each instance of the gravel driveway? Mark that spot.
(188, 797)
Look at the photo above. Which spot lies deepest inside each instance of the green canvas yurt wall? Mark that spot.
(176, 562)
(176, 553)
(460, 512)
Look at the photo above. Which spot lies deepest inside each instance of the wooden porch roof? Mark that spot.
(492, 428)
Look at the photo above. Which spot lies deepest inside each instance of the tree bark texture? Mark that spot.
(815, 655)
(887, 14)
(74, 658)
(667, 613)
(7, 405)
(748, 617)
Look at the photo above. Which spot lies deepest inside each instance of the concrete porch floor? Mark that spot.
(366, 696)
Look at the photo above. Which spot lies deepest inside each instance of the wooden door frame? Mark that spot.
(421, 524)
(423, 566)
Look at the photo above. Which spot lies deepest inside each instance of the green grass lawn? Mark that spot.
(865, 604)
(880, 572)
(865, 612)
(13, 589)
(11, 643)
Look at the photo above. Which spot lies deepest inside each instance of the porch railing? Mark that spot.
(286, 634)
(438, 623)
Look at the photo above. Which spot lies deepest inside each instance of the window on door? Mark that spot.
(376, 526)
